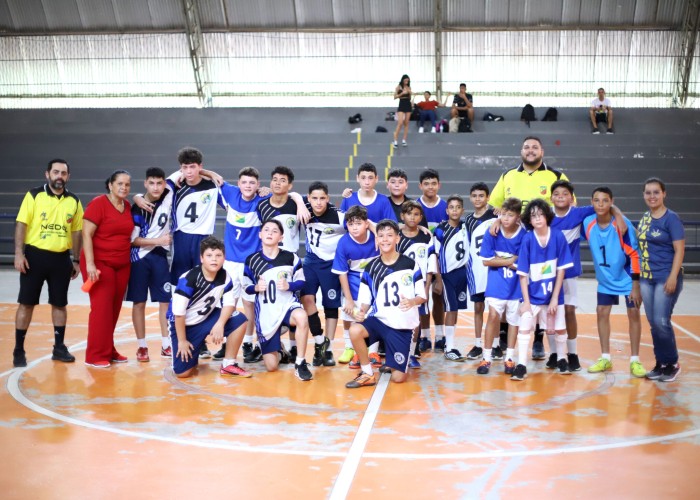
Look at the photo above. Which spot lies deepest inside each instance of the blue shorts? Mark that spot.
(397, 343)
(274, 343)
(423, 309)
(605, 299)
(318, 274)
(454, 290)
(197, 333)
(150, 273)
(185, 253)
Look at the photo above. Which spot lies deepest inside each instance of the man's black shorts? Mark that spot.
(52, 267)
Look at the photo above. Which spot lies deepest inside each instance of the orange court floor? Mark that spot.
(135, 431)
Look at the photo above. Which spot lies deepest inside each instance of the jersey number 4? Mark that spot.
(191, 212)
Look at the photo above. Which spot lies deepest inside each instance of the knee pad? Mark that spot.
(526, 322)
(315, 325)
(331, 313)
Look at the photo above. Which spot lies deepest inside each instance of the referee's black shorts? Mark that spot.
(55, 268)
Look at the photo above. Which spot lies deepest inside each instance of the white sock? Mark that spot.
(561, 346)
(510, 353)
(165, 342)
(367, 369)
(425, 333)
(346, 337)
(318, 339)
(439, 331)
(299, 360)
(478, 342)
(552, 341)
(227, 362)
(487, 355)
(496, 342)
(449, 338)
(248, 339)
(523, 344)
(292, 343)
(634, 358)
(142, 343)
(412, 349)
(374, 348)
(605, 355)
(571, 346)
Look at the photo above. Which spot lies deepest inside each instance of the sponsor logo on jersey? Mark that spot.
(546, 269)
(239, 218)
(407, 279)
(543, 190)
(655, 233)
(205, 198)
(69, 218)
(328, 230)
(399, 358)
(291, 222)
(282, 275)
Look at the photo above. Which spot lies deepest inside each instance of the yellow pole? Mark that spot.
(391, 150)
(359, 137)
(350, 161)
(386, 174)
(388, 162)
(347, 175)
(354, 149)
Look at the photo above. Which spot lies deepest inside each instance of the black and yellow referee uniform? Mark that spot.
(519, 183)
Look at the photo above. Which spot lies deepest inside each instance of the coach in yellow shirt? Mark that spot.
(49, 225)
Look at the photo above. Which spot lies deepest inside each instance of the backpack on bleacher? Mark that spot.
(550, 115)
(528, 114)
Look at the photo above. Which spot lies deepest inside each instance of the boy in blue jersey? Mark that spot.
(434, 210)
(450, 246)
(617, 268)
(378, 205)
(150, 243)
(323, 233)
(543, 259)
(204, 303)
(391, 290)
(274, 275)
(354, 251)
(420, 247)
(503, 295)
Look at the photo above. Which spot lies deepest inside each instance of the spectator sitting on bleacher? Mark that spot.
(427, 111)
(464, 104)
(601, 112)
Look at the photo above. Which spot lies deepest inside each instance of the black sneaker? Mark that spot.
(654, 374)
(247, 349)
(384, 369)
(563, 366)
(670, 372)
(574, 364)
(475, 353)
(497, 353)
(610, 131)
(329, 361)
(302, 371)
(254, 356)
(285, 358)
(595, 131)
(538, 350)
(320, 352)
(381, 350)
(19, 359)
(293, 353)
(520, 373)
(60, 353)
(424, 344)
(440, 345)
(552, 361)
(219, 355)
(204, 352)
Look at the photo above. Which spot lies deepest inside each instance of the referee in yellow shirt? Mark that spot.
(49, 225)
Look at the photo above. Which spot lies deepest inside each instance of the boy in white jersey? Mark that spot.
(150, 243)
(450, 246)
(323, 233)
(275, 275)
(354, 251)
(391, 290)
(204, 303)
(420, 247)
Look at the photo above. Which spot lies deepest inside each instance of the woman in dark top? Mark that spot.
(403, 114)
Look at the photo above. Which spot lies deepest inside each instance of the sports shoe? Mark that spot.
(302, 371)
(519, 373)
(384, 369)
(292, 352)
(218, 355)
(574, 363)
(475, 353)
(204, 352)
(440, 345)
(509, 367)
(347, 355)
(142, 355)
(424, 344)
(420, 130)
(483, 367)
(538, 350)
(595, 131)
(404, 143)
(285, 357)
(454, 355)
(355, 363)
(381, 349)
(375, 359)
(328, 359)
(416, 352)
(610, 131)
(637, 369)
(255, 355)
(19, 358)
(247, 348)
(99, 364)
(670, 372)
(118, 358)
(563, 366)
(602, 365)
(395, 144)
(656, 372)
(320, 352)
(362, 380)
(551, 362)
(235, 371)
(60, 353)
(497, 353)
(167, 352)
(413, 363)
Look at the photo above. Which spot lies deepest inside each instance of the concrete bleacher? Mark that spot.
(316, 143)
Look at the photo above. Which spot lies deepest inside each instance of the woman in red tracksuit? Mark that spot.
(105, 259)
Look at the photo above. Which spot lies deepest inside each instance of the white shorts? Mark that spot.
(540, 316)
(235, 270)
(509, 306)
(571, 292)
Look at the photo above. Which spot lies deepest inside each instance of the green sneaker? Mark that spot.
(602, 365)
(637, 369)
(347, 355)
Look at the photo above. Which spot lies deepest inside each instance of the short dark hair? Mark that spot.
(282, 170)
(189, 155)
(318, 185)
(113, 177)
(532, 138)
(367, 167)
(57, 160)
(530, 207)
(427, 92)
(155, 172)
(602, 189)
(387, 223)
(656, 180)
(428, 173)
(562, 183)
(455, 197)
(479, 186)
(275, 222)
(356, 212)
(211, 243)
(249, 172)
(409, 205)
(601, 88)
(512, 205)
(463, 85)
(398, 172)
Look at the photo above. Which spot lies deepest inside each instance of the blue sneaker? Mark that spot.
(424, 344)
(413, 362)
(440, 345)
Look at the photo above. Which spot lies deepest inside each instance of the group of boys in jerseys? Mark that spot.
(375, 273)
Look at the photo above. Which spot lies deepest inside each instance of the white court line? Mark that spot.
(692, 336)
(341, 487)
